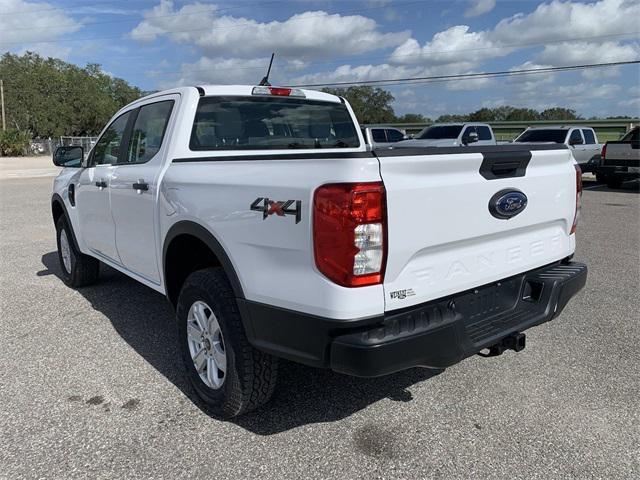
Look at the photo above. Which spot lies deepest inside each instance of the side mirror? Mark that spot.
(70, 157)
(472, 137)
(576, 141)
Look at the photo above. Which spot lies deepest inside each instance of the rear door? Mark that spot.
(442, 235)
(134, 187)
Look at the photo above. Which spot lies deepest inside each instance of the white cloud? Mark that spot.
(577, 53)
(454, 45)
(228, 71)
(558, 20)
(32, 22)
(480, 7)
(305, 35)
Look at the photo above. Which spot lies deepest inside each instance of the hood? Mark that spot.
(415, 142)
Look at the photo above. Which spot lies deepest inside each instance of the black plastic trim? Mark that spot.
(399, 151)
(57, 199)
(200, 91)
(280, 156)
(202, 234)
(434, 334)
(505, 164)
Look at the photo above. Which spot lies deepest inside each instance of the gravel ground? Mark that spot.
(91, 384)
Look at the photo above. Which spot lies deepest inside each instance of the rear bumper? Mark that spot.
(435, 334)
(621, 171)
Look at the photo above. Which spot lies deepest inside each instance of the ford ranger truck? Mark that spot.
(275, 233)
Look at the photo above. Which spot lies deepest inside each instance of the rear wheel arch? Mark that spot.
(188, 247)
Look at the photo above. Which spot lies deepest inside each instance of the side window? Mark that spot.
(467, 131)
(107, 149)
(575, 138)
(378, 135)
(589, 137)
(394, 135)
(148, 131)
(484, 133)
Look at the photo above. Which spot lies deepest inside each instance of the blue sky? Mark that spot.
(157, 44)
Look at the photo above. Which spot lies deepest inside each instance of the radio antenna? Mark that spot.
(265, 79)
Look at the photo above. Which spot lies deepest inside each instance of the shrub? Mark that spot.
(14, 142)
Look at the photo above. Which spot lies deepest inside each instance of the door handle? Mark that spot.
(141, 186)
(101, 184)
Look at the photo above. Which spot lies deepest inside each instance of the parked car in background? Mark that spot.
(383, 136)
(582, 141)
(620, 160)
(452, 135)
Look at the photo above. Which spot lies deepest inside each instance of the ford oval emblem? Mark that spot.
(507, 203)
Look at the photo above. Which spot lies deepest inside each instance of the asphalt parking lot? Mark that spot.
(91, 384)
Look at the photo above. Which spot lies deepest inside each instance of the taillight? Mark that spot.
(578, 198)
(603, 154)
(349, 232)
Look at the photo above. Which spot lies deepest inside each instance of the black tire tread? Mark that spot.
(85, 270)
(256, 371)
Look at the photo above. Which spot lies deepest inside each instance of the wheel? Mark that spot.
(78, 269)
(614, 182)
(600, 178)
(229, 374)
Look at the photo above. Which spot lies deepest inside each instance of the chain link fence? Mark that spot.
(46, 146)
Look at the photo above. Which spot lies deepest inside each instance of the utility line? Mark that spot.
(467, 76)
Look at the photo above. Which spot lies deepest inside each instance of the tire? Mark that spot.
(614, 182)
(78, 270)
(249, 375)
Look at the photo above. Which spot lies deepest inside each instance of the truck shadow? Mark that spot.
(631, 186)
(304, 395)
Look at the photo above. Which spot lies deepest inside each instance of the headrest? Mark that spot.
(229, 123)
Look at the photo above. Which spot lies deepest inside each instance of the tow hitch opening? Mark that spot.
(515, 342)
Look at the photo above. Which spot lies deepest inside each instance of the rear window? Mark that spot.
(542, 135)
(442, 131)
(632, 136)
(258, 123)
(484, 133)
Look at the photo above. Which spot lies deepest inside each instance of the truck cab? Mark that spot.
(582, 141)
(381, 137)
(452, 135)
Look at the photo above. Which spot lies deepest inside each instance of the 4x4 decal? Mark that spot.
(280, 208)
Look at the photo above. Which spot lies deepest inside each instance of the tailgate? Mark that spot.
(442, 237)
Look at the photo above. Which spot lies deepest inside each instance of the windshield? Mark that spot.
(245, 123)
(441, 131)
(542, 135)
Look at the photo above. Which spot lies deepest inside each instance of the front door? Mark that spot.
(92, 192)
(577, 146)
(134, 188)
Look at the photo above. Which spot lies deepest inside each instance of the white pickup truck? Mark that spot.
(451, 135)
(581, 141)
(275, 232)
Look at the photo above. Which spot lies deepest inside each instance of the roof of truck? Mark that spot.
(240, 90)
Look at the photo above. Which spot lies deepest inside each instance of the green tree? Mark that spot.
(451, 118)
(559, 113)
(413, 118)
(371, 105)
(47, 97)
